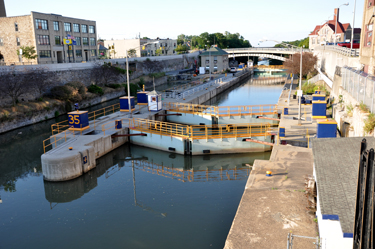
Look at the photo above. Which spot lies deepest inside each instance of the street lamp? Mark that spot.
(352, 38)
(336, 14)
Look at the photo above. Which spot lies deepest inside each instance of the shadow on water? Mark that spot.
(169, 165)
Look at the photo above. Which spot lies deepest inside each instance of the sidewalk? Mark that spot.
(272, 207)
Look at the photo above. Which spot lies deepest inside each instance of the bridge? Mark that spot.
(272, 53)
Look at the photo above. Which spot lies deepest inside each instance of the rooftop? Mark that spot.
(214, 51)
(336, 167)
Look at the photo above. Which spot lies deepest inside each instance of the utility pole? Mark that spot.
(300, 88)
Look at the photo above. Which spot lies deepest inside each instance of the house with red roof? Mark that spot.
(325, 33)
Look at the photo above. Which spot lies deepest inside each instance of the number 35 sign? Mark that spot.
(78, 120)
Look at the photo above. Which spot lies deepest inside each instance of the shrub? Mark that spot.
(363, 107)
(62, 92)
(57, 113)
(114, 86)
(157, 75)
(369, 123)
(95, 89)
(133, 89)
(40, 99)
(78, 86)
(349, 109)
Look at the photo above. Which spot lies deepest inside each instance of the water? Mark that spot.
(156, 200)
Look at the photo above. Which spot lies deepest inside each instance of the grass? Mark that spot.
(369, 126)
(349, 110)
(363, 107)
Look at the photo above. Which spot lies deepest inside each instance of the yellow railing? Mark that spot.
(112, 124)
(221, 110)
(63, 125)
(271, 66)
(195, 132)
(53, 139)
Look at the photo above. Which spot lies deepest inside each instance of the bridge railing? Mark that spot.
(341, 50)
(295, 50)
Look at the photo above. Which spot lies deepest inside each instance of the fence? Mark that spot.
(341, 50)
(191, 91)
(360, 85)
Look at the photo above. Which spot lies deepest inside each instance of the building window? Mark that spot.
(78, 53)
(368, 38)
(43, 39)
(93, 52)
(370, 3)
(67, 27)
(16, 26)
(174, 45)
(92, 42)
(45, 54)
(78, 41)
(92, 29)
(85, 41)
(57, 40)
(76, 27)
(1, 42)
(41, 24)
(84, 28)
(55, 26)
(18, 41)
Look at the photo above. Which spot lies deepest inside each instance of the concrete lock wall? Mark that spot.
(159, 142)
(247, 119)
(228, 145)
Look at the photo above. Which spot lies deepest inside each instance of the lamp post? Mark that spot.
(352, 38)
(338, 9)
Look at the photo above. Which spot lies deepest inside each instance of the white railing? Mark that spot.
(292, 50)
(341, 50)
(360, 85)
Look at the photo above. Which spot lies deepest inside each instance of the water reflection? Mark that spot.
(186, 169)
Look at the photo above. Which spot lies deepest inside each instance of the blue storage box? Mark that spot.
(124, 104)
(319, 109)
(78, 120)
(319, 97)
(286, 111)
(142, 98)
(282, 132)
(326, 128)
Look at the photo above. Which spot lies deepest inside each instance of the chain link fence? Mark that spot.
(360, 85)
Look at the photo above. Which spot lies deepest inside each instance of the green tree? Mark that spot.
(28, 52)
(158, 52)
(181, 49)
(132, 52)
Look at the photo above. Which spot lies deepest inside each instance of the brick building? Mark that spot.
(325, 33)
(143, 47)
(46, 32)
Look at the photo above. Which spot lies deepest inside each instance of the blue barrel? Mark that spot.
(282, 132)
(118, 124)
(286, 111)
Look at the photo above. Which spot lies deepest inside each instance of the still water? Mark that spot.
(136, 197)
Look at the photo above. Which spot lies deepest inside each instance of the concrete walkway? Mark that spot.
(272, 207)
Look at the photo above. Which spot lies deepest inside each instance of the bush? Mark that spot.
(369, 123)
(62, 92)
(78, 86)
(157, 75)
(114, 86)
(133, 89)
(57, 113)
(95, 89)
(363, 107)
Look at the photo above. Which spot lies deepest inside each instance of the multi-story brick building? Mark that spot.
(325, 33)
(367, 49)
(46, 33)
(143, 47)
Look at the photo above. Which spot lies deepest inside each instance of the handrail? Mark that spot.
(195, 132)
(221, 110)
(113, 124)
(45, 146)
(63, 125)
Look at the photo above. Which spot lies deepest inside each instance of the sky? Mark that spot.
(255, 20)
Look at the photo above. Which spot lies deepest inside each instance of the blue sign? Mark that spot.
(74, 42)
(84, 159)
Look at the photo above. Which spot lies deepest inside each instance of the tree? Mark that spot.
(152, 66)
(28, 52)
(40, 79)
(104, 74)
(308, 62)
(13, 84)
(158, 52)
(132, 53)
(181, 49)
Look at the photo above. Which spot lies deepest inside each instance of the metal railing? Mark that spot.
(192, 90)
(359, 85)
(112, 124)
(63, 125)
(195, 132)
(54, 140)
(221, 111)
(269, 67)
(341, 50)
(294, 50)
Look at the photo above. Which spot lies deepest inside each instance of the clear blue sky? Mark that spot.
(254, 19)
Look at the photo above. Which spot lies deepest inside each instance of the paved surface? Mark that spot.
(272, 207)
(336, 167)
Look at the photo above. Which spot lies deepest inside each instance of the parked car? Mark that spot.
(233, 69)
(347, 44)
